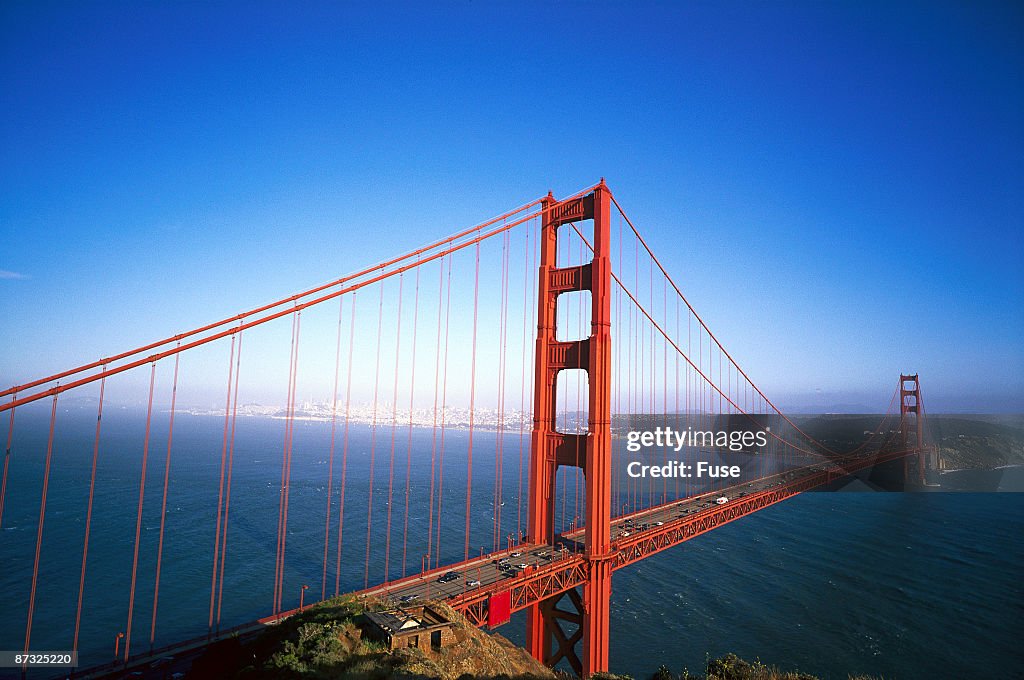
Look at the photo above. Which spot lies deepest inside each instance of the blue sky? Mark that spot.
(837, 187)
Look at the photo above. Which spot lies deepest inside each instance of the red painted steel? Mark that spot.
(163, 504)
(551, 449)
(499, 608)
(638, 546)
(910, 403)
(298, 306)
(597, 592)
(39, 529)
(540, 522)
(330, 464)
(138, 521)
(293, 299)
(88, 512)
(220, 491)
(567, 598)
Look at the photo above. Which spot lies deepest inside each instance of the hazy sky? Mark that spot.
(837, 187)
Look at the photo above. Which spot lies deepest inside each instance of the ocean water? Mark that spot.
(898, 585)
(902, 585)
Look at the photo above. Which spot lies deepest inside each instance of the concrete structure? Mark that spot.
(421, 627)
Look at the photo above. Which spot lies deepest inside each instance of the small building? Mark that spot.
(421, 627)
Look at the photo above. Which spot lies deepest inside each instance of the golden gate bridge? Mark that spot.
(519, 352)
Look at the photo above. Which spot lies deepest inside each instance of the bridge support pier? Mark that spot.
(560, 629)
(591, 452)
(911, 470)
(596, 625)
(912, 433)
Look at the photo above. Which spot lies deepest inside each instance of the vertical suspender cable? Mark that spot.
(412, 394)
(534, 282)
(88, 513)
(280, 493)
(163, 504)
(330, 461)
(284, 466)
(227, 491)
(630, 372)
(522, 384)
(39, 530)
(638, 392)
(444, 415)
(502, 365)
(394, 433)
(505, 276)
(437, 388)
(654, 360)
(288, 458)
(664, 385)
(220, 486)
(344, 449)
(472, 396)
(373, 437)
(499, 443)
(617, 348)
(138, 518)
(676, 383)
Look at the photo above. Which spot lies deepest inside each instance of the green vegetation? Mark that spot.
(322, 642)
(326, 641)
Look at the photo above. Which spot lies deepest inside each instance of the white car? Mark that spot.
(722, 500)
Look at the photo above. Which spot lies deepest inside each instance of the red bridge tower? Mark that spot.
(547, 641)
(910, 402)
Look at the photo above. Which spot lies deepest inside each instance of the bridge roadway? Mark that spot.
(534, 572)
(550, 569)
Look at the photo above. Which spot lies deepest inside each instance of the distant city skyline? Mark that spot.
(836, 188)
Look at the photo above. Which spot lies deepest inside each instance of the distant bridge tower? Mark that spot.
(546, 639)
(910, 403)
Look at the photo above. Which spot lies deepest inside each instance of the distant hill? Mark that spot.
(964, 441)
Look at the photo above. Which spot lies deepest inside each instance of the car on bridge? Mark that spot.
(449, 576)
(722, 500)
